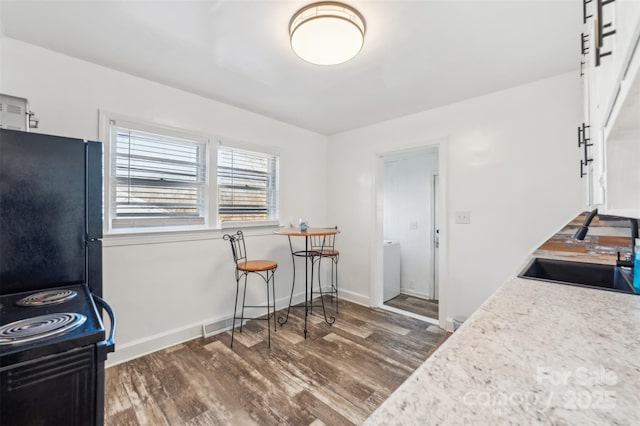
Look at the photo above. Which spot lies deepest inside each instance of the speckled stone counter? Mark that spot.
(534, 353)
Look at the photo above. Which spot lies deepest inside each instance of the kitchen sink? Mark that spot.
(592, 275)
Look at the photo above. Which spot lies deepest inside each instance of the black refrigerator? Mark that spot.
(53, 343)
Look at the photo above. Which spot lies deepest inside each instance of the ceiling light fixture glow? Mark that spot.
(327, 33)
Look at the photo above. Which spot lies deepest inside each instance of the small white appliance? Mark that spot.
(391, 265)
(15, 114)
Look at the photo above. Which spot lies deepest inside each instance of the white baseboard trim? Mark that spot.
(411, 315)
(354, 297)
(414, 293)
(140, 347)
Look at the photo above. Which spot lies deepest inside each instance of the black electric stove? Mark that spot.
(52, 353)
(39, 323)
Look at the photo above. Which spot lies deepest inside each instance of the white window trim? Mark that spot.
(211, 229)
(230, 143)
(162, 236)
(104, 131)
(249, 223)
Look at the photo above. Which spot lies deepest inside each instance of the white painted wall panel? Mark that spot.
(512, 162)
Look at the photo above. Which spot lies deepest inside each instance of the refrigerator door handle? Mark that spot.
(108, 345)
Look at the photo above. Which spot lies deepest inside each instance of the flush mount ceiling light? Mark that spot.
(327, 33)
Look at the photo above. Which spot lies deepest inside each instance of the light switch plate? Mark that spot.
(463, 217)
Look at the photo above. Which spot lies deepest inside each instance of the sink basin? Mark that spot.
(593, 275)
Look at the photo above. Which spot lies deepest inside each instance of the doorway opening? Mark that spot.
(410, 210)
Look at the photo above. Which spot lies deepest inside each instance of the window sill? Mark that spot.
(249, 224)
(130, 237)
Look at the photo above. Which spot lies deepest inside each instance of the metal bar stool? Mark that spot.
(324, 248)
(245, 267)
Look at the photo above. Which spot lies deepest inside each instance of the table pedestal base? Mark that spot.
(308, 256)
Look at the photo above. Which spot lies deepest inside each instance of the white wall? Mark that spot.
(512, 161)
(164, 289)
(408, 188)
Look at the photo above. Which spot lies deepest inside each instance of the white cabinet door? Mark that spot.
(622, 117)
(627, 26)
(621, 20)
(606, 73)
(594, 118)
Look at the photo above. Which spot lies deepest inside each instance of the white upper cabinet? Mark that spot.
(622, 142)
(611, 75)
(627, 20)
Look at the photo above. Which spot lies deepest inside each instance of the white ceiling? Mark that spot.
(417, 54)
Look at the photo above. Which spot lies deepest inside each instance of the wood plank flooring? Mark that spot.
(338, 376)
(416, 305)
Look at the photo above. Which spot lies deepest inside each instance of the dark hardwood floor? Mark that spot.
(417, 305)
(338, 376)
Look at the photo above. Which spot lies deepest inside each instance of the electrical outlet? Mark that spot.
(463, 217)
(412, 284)
(413, 225)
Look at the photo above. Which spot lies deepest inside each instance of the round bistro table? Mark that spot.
(307, 254)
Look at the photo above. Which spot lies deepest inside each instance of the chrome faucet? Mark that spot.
(581, 233)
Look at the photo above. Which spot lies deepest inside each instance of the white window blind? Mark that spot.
(247, 185)
(156, 179)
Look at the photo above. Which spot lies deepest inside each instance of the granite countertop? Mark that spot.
(535, 353)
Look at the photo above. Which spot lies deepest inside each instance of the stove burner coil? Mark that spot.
(39, 327)
(49, 297)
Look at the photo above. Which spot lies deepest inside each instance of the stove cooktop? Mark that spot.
(70, 306)
(47, 297)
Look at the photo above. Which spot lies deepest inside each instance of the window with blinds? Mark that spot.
(156, 179)
(247, 185)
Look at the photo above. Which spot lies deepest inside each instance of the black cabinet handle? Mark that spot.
(584, 11)
(600, 32)
(583, 141)
(583, 164)
(579, 136)
(584, 45)
(582, 135)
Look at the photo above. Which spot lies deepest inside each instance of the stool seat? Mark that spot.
(328, 252)
(257, 265)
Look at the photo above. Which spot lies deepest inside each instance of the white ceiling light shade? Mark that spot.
(327, 33)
